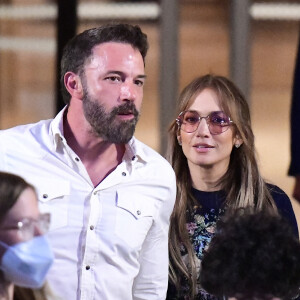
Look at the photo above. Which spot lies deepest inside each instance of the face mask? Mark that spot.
(26, 264)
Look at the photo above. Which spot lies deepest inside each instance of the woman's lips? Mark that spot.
(203, 148)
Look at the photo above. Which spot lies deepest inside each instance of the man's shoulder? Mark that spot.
(25, 130)
(151, 155)
(29, 139)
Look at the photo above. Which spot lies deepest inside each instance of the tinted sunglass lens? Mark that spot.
(219, 122)
(219, 118)
(190, 121)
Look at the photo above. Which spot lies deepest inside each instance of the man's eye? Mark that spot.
(113, 78)
(139, 82)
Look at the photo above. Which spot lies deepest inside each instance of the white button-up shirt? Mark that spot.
(110, 241)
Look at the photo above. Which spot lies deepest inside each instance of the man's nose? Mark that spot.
(128, 91)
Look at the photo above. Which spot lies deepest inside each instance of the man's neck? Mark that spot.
(99, 157)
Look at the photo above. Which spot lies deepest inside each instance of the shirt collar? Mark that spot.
(134, 151)
(57, 127)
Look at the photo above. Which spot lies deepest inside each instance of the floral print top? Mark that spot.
(201, 226)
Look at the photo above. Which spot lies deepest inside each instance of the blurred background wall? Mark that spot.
(28, 68)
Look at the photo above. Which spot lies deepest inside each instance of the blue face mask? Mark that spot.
(26, 264)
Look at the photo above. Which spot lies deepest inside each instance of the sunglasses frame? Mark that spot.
(179, 121)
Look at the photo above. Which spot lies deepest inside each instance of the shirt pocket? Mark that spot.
(135, 214)
(54, 198)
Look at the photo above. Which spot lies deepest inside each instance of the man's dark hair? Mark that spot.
(79, 49)
(253, 255)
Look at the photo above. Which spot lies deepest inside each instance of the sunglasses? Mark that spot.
(217, 121)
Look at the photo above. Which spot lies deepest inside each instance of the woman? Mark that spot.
(24, 252)
(212, 151)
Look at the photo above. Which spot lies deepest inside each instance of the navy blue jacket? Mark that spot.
(294, 168)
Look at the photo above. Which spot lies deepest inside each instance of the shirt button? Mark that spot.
(92, 227)
(76, 158)
(123, 173)
(87, 267)
(138, 212)
(95, 193)
(45, 196)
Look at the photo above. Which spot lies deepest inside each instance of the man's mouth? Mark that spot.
(125, 113)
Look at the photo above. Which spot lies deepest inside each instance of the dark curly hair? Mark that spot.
(253, 255)
(79, 49)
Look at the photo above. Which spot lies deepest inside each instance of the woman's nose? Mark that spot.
(203, 127)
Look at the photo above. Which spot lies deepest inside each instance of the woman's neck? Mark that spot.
(206, 178)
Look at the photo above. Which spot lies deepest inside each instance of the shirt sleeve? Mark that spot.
(152, 279)
(284, 206)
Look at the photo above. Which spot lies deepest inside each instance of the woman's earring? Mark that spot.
(179, 141)
(237, 145)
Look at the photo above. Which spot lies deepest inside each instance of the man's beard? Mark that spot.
(107, 125)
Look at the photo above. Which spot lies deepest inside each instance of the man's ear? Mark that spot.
(73, 85)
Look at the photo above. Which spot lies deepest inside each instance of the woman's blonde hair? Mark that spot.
(242, 183)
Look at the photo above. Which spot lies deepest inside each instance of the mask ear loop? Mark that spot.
(4, 245)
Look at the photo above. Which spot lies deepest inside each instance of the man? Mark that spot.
(110, 196)
(253, 255)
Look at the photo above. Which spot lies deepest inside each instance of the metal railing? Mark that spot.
(86, 11)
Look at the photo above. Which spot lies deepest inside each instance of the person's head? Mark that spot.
(79, 50)
(21, 230)
(224, 138)
(20, 219)
(103, 68)
(253, 255)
